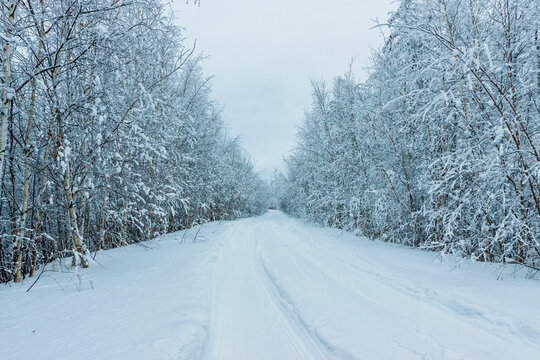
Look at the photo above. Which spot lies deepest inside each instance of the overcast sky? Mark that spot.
(263, 55)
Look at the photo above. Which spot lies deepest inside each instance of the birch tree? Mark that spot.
(438, 148)
(113, 135)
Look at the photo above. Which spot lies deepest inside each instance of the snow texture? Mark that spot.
(272, 288)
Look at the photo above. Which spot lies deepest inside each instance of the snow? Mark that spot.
(272, 288)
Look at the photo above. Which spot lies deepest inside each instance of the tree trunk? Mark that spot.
(76, 239)
(6, 95)
(24, 206)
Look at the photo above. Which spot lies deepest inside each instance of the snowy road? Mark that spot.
(273, 288)
(249, 321)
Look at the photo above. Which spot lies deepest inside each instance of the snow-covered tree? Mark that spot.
(439, 147)
(110, 135)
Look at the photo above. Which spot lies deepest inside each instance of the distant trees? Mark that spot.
(109, 135)
(439, 148)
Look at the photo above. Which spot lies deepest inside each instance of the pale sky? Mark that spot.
(264, 54)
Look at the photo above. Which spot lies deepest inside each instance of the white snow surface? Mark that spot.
(272, 288)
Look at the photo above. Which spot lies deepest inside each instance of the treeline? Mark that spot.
(108, 133)
(439, 148)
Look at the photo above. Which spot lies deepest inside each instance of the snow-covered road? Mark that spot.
(273, 288)
(249, 320)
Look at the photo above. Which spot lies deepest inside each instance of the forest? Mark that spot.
(139, 218)
(439, 147)
(109, 134)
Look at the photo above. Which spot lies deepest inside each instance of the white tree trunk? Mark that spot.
(6, 92)
(24, 207)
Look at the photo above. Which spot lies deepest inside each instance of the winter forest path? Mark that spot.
(272, 288)
(285, 290)
(250, 320)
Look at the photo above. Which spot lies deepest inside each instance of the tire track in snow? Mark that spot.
(286, 319)
(527, 333)
(295, 314)
(418, 335)
(248, 319)
(347, 270)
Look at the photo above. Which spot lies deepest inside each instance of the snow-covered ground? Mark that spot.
(272, 288)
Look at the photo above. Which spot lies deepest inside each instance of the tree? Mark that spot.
(438, 148)
(113, 135)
